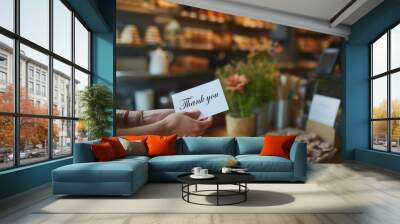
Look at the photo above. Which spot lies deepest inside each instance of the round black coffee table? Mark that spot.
(238, 179)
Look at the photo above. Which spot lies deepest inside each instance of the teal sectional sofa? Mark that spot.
(125, 176)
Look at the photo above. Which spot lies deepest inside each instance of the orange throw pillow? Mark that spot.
(116, 145)
(277, 145)
(103, 152)
(135, 137)
(161, 145)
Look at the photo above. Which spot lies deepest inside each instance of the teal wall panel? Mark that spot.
(379, 159)
(356, 101)
(103, 52)
(89, 11)
(356, 93)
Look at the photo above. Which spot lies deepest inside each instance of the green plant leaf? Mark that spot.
(259, 68)
(96, 102)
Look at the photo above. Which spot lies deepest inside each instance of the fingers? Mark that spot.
(188, 123)
(206, 123)
(202, 126)
(193, 114)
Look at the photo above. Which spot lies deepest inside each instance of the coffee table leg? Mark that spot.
(217, 194)
(188, 189)
(245, 193)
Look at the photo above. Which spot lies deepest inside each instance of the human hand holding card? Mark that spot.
(207, 98)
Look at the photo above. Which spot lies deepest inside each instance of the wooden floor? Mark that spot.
(379, 189)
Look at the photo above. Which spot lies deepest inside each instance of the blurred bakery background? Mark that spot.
(164, 48)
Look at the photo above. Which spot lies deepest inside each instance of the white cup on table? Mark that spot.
(203, 172)
(197, 171)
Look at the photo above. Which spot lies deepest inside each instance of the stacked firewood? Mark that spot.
(317, 150)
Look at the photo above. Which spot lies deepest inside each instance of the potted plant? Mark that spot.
(247, 84)
(96, 102)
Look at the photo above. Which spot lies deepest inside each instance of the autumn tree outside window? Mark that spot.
(44, 63)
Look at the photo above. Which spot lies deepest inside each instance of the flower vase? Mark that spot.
(240, 126)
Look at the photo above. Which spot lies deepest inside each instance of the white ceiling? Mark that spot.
(321, 9)
(323, 16)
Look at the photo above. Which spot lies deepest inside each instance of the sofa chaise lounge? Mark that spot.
(125, 176)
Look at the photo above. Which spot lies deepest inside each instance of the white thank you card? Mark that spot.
(207, 98)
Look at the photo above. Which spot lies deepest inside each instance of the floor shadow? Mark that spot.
(256, 198)
(94, 196)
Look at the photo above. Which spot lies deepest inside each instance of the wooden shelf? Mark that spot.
(127, 50)
(312, 35)
(149, 77)
(170, 48)
(229, 25)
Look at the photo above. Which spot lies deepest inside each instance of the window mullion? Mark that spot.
(16, 85)
(389, 77)
(371, 89)
(89, 54)
(73, 82)
(371, 132)
(50, 81)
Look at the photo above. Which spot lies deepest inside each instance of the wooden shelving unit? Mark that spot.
(155, 78)
(229, 25)
(125, 50)
(163, 85)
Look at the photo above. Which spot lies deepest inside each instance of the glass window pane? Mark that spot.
(81, 81)
(7, 14)
(395, 47)
(6, 142)
(33, 140)
(81, 45)
(6, 74)
(379, 135)
(395, 136)
(395, 94)
(379, 97)
(379, 56)
(35, 21)
(34, 96)
(62, 138)
(81, 131)
(62, 29)
(62, 89)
